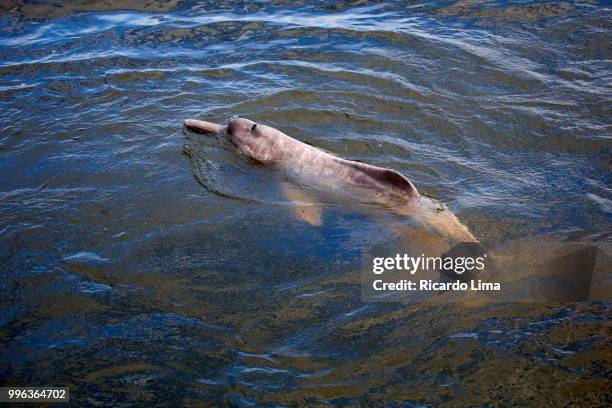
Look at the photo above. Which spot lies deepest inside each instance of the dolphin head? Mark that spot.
(242, 130)
(254, 140)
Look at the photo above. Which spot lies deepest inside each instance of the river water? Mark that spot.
(130, 280)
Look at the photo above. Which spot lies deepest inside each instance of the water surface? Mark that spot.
(127, 279)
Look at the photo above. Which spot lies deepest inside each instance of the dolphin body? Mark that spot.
(315, 172)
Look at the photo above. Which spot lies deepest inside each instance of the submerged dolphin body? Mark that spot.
(315, 172)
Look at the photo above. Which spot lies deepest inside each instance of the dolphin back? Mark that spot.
(397, 180)
(389, 178)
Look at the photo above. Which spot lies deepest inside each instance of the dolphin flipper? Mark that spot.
(304, 204)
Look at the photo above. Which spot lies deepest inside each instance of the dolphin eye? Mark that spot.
(253, 127)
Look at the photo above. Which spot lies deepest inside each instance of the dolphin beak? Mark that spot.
(203, 126)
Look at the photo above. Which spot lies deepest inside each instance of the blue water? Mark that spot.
(124, 276)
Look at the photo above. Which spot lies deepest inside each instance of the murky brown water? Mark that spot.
(128, 280)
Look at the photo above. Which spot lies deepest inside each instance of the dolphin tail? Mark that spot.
(448, 225)
(203, 126)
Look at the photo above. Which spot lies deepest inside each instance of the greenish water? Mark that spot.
(126, 279)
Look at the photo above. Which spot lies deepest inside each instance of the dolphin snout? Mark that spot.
(203, 126)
